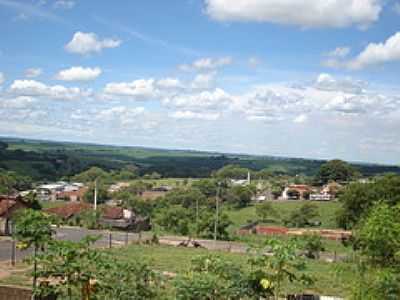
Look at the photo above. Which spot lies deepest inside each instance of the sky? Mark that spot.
(297, 78)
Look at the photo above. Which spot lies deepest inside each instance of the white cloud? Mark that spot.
(2, 78)
(329, 83)
(190, 115)
(33, 72)
(78, 74)
(64, 4)
(339, 52)
(122, 114)
(300, 119)
(206, 100)
(141, 89)
(85, 43)
(310, 13)
(204, 81)
(169, 83)
(206, 64)
(377, 53)
(17, 102)
(39, 89)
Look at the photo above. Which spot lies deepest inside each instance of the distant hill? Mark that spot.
(52, 160)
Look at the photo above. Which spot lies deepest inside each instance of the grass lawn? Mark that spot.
(327, 211)
(327, 279)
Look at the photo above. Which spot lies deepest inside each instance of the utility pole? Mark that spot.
(216, 214)
(197, 217)
(95, 194)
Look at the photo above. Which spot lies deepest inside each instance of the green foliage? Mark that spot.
(11, 182)
(378, 235)
(302, 216)
(231, 172)
(128, 172)
(127, 280)
(336, 170)
(208, 187)
(313, 245)
(372, 283)
(358, 198)
(269, 273)
(176, 219)
(89, 219)
(211, 277)
(102, 193)
(266, 211)
(187, 197)
(240, 196)
(32, 228)
(92, 174)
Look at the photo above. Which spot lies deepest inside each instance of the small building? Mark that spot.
(69, 210)
(9, 206)
(61, 191)
(123, 219)
(296, 192)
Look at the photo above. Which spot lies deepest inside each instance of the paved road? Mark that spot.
(72, 234)
(122, 238)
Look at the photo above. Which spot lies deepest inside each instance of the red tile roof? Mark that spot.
(112, 212)
(8, 203)
(69, 210)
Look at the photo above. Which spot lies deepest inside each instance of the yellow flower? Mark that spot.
(265, 283)
(22, 245)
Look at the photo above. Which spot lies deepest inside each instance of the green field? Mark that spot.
(173, 259)
(327, 211)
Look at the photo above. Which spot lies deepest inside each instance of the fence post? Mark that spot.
(13, 252)
(126, 238)
(110, 240)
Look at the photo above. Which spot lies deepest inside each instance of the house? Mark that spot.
(155, 192)
(123, 219)
(327, 193)
(61, 191)
(296, 192)
(118, 186)
(9, 206)
(69, 210)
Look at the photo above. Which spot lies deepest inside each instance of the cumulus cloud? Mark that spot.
(190, 115)
(141, 89)
(377, 53)
(17, 102)
(206, 100)
(39, 89)
(339, 52)
(122, 114)
(300, 119)
(204, 81)
(207, 64)
(314, 13)
(86, 43)
(169, 83)
(33, 72)
(329, 83)
(78, 74)
(2, 78)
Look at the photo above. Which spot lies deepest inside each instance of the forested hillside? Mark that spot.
(53, 160)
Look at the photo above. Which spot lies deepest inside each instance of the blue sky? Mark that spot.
(315, 79)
